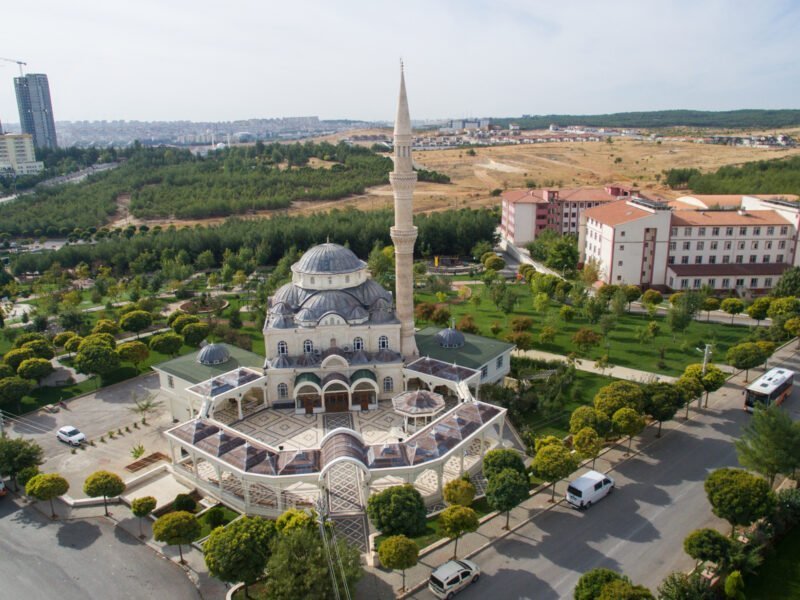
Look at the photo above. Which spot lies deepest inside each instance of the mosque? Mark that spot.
(348, 381)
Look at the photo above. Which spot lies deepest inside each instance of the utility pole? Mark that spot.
(706, 356)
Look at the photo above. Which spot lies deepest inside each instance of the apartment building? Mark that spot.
(17, 155)
(745, 246)
(528, 212)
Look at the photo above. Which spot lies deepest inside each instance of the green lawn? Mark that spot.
(624, 348)
(205, 528)
(779, 576)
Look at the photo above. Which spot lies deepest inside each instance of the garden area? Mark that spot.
(779, 577)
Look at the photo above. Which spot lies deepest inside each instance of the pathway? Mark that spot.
(583, 364)
(344, 483)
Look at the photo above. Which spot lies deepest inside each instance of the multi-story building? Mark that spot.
(36, 109)
(744, 247)
(17, 155)
(526, 213)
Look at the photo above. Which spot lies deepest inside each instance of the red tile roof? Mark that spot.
(615, 213)
(727, 217)
(539, 196)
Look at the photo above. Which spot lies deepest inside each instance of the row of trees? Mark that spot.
(779, 176)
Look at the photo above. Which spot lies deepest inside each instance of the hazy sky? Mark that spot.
(204, 60)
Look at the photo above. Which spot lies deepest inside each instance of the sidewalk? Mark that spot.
(381, 583)
(587, 364)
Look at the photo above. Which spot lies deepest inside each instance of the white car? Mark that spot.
(70, 435)
(589, 488)
(452, 577)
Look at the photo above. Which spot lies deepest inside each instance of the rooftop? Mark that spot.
(476, 351)
(328, 259)
(187, 368)
(616, 213)
(537, 196)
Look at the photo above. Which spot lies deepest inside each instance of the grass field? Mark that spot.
(779, 576)
(205, 527)
(624, 349)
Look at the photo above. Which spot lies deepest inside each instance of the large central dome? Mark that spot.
(327, 259)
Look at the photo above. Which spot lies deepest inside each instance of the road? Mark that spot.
(639, 530)
(80, 559)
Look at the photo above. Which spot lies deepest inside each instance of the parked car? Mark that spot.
(3, 489)
(70, 435)
(589, 488)
(452, 577)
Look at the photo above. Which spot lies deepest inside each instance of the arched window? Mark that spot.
(283, 348)
(383, 343)
(308, 346)
(358, 344)
(283, 391)
(388, 384)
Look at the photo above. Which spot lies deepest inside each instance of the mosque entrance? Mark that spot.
(336, 402)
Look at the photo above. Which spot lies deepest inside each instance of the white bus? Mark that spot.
(771, 388)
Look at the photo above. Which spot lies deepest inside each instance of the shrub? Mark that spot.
(398, 510)
(184, 502)
(215, 517)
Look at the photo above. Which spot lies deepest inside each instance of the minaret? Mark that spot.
(404, 234)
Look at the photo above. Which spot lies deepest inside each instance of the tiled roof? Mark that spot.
(582, 194)
(727, 217)
(733, 270)
(616, 213)
(187, 368)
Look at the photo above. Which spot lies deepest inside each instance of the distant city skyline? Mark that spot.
(151, 61)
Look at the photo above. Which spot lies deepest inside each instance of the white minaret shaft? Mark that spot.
(404, 234)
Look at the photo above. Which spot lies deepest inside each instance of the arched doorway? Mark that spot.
(365, 394)
(337, 398)
(307, 398)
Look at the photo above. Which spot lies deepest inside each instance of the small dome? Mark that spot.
(213, 354)
(450, 338)
(329, 259)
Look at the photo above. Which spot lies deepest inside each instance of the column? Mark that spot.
(246, 494)
(239, 407)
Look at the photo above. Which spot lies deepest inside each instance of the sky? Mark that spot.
(204, 60)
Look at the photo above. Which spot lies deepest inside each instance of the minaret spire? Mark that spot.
(403, 179)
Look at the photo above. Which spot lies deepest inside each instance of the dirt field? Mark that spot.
(556, 164)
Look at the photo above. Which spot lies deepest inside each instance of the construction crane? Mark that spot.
(19, 63)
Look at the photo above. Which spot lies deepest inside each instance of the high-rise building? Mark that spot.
(16, 154)
(36, 109)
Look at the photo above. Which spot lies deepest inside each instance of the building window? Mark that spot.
(739, 282)
(726, 259)
(312, 280)
(283, 391)
(696, 283)
(768, 282)
(170, 381)
(484, 372)
(753, 258)
(712, 260)
(671, 260)
(779, 258)
(765, 258)
(672, 245)
(283, 348)
(728, 246)
(684, 284)
(619, 263)
(712, 283)
(622, 234)
(768, 245)
(499, 362)
(770, 231)
(781, 244)
(671, 281)
(619, 277)
(684, 260)
(673, 231)
(358, 344)
(726, 283)
(388, 384)
(739, 259)
(714, 245)
(687, 245)
(383, 343)
(698, 260)
(756, 230)
(622, 247)
(754, 245)
(701, 231)
(740, 246)
(308, 346)
(701, 245)
(715, 231)
(687, 231)
(784, 230)
(742, 230)
(729, 231)
(754, 282)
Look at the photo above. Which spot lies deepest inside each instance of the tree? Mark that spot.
(732, 306)
(105, 484)
(141, 507)
(17, 454)
(769, 443)
(455, 521)
(620, 394)
(398, 510)
(689, 388)
(567, 313)
(47, 486)
(105, 326)
(240, 551)
(35, 368)
(133, 352)
(587, 416)
(661, 401)
(13, 358)
(627, 421)
(624, 590)
(507, 489)
(499, 459)
(619, 302)
(738, 496)
(553, 463)
(98, 339)
(713, 378)
(194, 333)
(73, 343)
(710, 303)
(166, 343)
(459, 491)
(521, 339)
(632, 293)
(652, 298)
(591, 583)
(588, 444)
(298, 567)
(793, 326)
(12, 389)
(176, 528)
(680, 586)
(547, 334)
(781, 309)
(593, 309)
(707, 545)
(745, 356)
(788, 284)
(585, 339)
(136, 321)
(759, 308)
(96, 359)
(399, 552)
(60, 339)
(40, 348)
(679, 317)
(563, 254)
(495, 263)
(734, 586)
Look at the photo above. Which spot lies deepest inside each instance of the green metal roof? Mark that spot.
(363, 374)
(307, 377)
(187, 368)
(476, 351)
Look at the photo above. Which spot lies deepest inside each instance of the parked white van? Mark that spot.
(588, 489)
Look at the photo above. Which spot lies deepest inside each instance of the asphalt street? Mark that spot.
(639, 529)
(80, 559)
